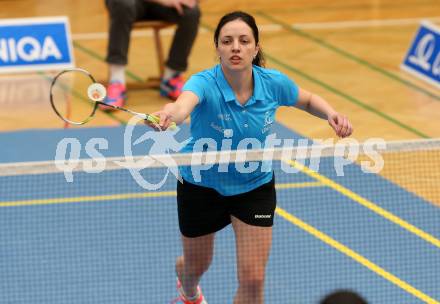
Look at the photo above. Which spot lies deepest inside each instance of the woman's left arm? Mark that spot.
(318, 107)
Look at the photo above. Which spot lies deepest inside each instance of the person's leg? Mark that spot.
(196, 258)
(183, 40)
(252, 216)
(253, 246)
(122, 14)
(201, 213)
(186, 32)
(185, 35)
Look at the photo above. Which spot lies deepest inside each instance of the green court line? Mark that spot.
(99, 57)
(348, 97)
(340, 93)
(350, 56)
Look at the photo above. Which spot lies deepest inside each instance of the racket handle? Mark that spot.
(155, 119)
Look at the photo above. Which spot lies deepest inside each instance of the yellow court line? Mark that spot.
(298, 185)
(122, 196)
(366, 203)
(355, 256)
(82, 199)
(292, 219)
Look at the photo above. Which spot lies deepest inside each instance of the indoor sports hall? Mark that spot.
(88, 228)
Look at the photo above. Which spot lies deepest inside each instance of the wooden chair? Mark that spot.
(156, 26)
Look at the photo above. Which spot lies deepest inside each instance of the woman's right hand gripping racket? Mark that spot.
(75, 97)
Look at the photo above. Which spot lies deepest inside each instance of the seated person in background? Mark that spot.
(123, 13)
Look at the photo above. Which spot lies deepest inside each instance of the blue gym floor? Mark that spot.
(98, 247)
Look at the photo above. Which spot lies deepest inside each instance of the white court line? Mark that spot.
(135, 33)
(362, 23)
(277, 27)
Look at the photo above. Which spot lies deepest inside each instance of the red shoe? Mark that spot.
(116, 95)
(172, 88)
(183, 300)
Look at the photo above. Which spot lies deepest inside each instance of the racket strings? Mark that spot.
(69, 98)
(75, 96)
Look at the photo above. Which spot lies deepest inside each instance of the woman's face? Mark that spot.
(236, 45)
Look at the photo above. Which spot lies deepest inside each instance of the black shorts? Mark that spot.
(203, 210)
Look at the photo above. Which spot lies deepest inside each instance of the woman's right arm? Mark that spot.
(176, 111)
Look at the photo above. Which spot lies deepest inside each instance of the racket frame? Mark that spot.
(52, 103)
(150, 118)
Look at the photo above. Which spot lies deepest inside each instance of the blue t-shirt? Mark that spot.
(220, 122)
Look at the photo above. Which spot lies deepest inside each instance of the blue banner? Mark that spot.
(423, 57)
(35, 44)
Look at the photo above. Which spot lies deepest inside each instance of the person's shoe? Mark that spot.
(116, 95)
(172, 87)
(183, 300)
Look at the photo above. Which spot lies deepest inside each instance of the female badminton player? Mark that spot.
(235, 99)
